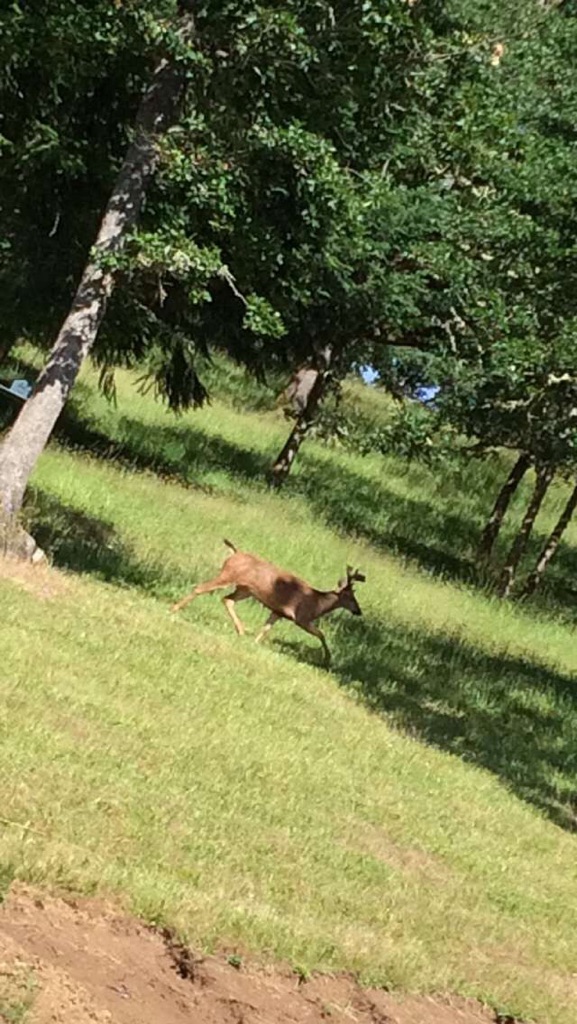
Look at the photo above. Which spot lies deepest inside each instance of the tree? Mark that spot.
(310, 399)
(71, 79)
(285, 103)
(550, 547)
(507, 379)
(495, 521)
(544, 477)
(310, 194)
(27, 438)
(276, 163)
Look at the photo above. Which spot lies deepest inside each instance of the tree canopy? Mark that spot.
(299, 200)
(509, 228)
(393, 182)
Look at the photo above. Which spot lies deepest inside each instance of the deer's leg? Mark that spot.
(273, 617)
(315, 631)
(240, 594)
(203, 588)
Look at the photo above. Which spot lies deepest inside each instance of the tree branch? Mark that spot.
(225, 275)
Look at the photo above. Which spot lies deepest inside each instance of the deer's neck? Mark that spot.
(327, 601)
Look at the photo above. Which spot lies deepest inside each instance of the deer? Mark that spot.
(286, 596)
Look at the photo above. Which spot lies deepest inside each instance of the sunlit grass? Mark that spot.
(400, 816)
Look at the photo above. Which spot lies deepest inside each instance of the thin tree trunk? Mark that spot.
(31, 431)
(552, 544)
(491, 531)
(545, 475)
(283, 463)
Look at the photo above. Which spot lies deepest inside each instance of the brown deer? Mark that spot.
(285, 595)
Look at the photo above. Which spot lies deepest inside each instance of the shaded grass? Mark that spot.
(431, 519)
(85, 543)
(510, 714)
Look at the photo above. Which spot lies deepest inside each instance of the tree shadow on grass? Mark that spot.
(513, 717)
(434, 533)
(557, 594)
(86, 544)
(347, 502)
(184, 453)
(439, 536)
(440, 542)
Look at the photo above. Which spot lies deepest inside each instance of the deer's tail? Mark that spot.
(229, 544)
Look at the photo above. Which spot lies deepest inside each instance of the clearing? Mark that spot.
(407, 818)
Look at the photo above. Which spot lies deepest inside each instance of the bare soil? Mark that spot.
(41, 579)
(66, 961)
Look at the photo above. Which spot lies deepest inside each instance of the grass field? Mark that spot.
(409, 815)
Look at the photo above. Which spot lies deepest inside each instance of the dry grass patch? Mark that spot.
(41, 580)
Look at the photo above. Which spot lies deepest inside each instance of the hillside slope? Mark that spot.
(243, 795)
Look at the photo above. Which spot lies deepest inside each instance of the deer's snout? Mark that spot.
(353, 607)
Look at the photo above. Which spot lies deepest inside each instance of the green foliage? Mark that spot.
(409, 431)
(503, 145)
(71, 75)
(523, 396)
(313, 194)
(304, 165)
(234, 385)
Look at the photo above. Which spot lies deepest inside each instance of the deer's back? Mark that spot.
(277, 589)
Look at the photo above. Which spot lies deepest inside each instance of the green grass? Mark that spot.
(408, 816)
(17, 993)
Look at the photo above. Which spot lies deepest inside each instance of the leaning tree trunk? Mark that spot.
(491, 531)
(284, 460)
(551, 546)
(544, 477)
(31, 431)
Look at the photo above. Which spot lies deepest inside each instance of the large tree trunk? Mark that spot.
(283, 463)
(296, 395)
(551, 546)
(31, 431)
(491, 531)
(545, 475)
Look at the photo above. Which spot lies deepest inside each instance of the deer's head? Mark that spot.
(345, 590)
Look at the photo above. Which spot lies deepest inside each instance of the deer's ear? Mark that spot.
(342, 584)
(354, 576)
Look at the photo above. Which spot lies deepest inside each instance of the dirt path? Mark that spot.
(80, 962)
